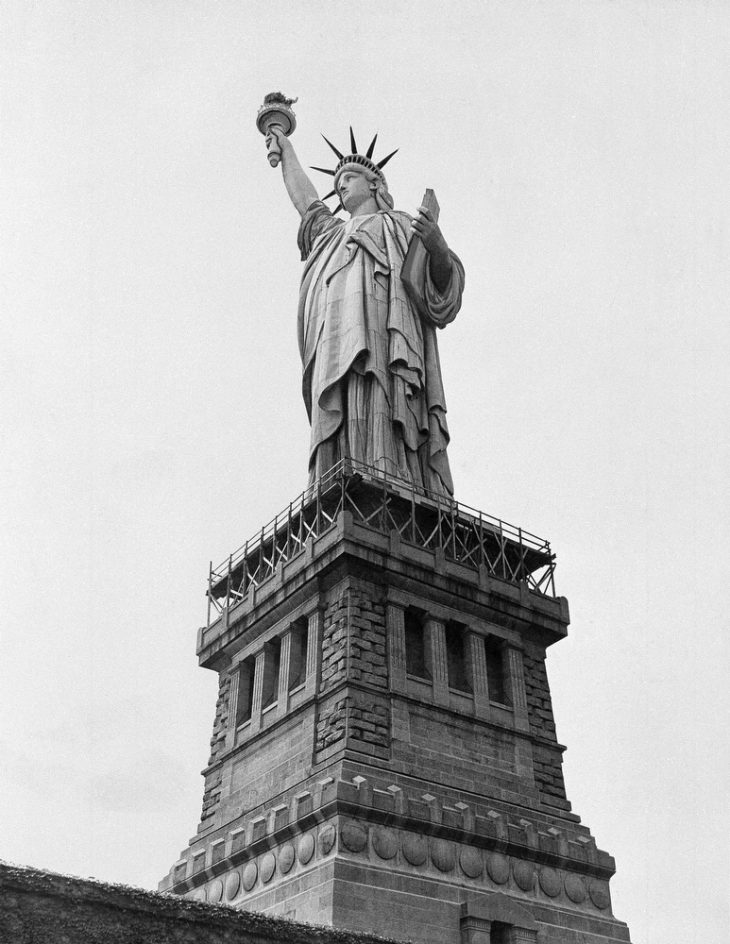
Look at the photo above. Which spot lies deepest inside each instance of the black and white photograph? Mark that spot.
(364, 502)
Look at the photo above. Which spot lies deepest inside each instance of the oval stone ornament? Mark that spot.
(599, 895)
(215, 892)
(233, 883)
(442, 855)
(250, 874)
(199, 895)
(550, 882)
(471, 862)
(415, 849)
(524, 873)
(306, 848)
(575, 889)
(498, 868)
(353, 837)
(268, 866)
(286, 858)
(327, 837)
(385, 843)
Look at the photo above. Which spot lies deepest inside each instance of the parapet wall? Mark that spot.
(39, 907)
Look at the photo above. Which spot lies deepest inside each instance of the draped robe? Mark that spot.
(372, 379)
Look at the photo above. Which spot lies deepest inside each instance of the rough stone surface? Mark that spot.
(212, 789)
(547, 759)
(45, 908)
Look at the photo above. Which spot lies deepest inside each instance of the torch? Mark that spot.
(276, 110)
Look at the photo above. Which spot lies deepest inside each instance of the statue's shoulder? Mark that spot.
(400, 220)
(400, 216)
(317, 221)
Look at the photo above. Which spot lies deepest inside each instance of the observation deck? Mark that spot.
(383, 505)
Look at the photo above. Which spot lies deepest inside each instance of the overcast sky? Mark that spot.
(150, 383)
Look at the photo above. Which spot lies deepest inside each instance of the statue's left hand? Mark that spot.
(429, 232)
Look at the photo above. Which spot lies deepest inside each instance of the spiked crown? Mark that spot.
(364, 160)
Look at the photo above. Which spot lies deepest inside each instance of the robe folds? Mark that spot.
(372, 379)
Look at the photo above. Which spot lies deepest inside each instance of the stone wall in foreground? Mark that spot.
(39, 907)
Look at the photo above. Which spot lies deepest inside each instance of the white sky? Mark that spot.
(151, 384)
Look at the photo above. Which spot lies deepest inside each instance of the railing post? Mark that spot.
(245, 577)
(210, 587)
(453, 534)
(413, 514)
(521, 570)
(482, 555)
(551, 565)
(318, 509)
(273, 544)
(228, 591)
(502, 551)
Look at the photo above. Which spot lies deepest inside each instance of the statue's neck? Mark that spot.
(365, 209)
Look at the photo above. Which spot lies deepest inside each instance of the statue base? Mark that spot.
(384, 756)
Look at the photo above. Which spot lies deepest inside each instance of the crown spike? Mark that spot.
(323, 170)
(337, 209)
(330, 194)
(372, 147)
(381, 164)
(352, 141)
(339, 154)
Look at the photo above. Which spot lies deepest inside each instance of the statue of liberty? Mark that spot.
(372, 379)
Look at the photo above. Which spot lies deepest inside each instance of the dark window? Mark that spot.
(499, 933)
(272, 658)
(244, 702)
(456, 655)
(496, 671)
(298, 653)
(415, 645)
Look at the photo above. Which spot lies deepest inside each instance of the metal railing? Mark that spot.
(384, 504)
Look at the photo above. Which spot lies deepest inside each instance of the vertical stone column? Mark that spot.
(315, 621)
(233, 706)
(516, 687)
(258, 691)
(477, 669)
(282, 695)
(395, 629)
(437, 660)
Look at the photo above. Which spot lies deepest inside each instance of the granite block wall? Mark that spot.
(547, 755)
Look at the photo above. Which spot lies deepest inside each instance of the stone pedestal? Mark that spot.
(384, 755)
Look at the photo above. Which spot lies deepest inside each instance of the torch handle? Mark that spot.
(273, 145)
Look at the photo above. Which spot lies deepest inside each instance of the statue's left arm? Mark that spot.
(439, 258)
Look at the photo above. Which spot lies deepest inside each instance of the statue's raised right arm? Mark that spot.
(300, 188)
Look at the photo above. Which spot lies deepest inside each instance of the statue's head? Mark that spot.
(356, 166)
(366, 167)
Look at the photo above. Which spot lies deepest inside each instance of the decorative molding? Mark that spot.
(356, 818)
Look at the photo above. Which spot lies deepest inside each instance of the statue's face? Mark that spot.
(354, 189)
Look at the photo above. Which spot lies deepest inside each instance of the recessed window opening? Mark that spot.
(499, 933)
(496, 683)
(298, 653)
(415, 645)
(244, 702)
(456, 657)
(272, 660)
